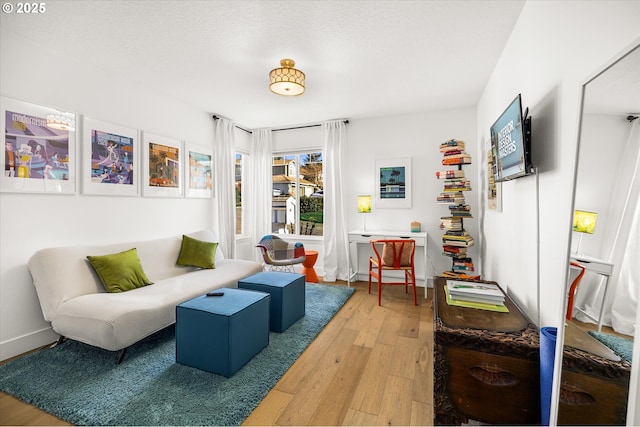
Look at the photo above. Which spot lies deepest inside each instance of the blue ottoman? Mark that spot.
(287, 296)
(221, 334)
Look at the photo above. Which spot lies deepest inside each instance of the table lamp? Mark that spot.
(364, 206)
(584, 222)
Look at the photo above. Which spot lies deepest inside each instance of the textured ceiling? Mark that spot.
(617, 89)
(361, 58)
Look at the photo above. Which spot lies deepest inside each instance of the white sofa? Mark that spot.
(76, 303)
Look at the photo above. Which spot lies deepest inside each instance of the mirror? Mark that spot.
(604, 250)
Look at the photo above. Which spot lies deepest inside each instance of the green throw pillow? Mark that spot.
(197, 253)
(120, 272)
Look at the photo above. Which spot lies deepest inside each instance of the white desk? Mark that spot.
(359, 237)
(597, 266)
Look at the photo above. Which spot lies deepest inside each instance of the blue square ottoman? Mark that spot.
(221, 334)
(287, 296)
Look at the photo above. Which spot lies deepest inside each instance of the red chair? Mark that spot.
(397, 255)
(573, 288)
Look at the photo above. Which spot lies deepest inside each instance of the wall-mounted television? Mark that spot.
(511, 143)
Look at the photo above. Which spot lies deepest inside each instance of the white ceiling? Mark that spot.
(617, 89)
(361, 58)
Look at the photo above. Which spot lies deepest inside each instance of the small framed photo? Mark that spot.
(393, 183)
(39, 149)
(162, 166)
(110, 159)
(198, 171)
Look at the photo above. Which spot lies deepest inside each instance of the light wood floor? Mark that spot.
(370, 366)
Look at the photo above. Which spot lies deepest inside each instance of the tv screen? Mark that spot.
(511, 143)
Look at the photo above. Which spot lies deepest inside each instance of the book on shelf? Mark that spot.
(456, 234)
(460, 213)
(462, 159)
(454, 251)
(462, 264)
(452, 275)
(450, 174)
(452, 151)
(463, 186)
(452, 143)
(450, 223)
(452, 198)
(466, 244)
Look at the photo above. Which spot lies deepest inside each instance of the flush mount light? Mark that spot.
(286, 80)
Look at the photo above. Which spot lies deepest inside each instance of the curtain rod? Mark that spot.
(215, 117)
(306, 126)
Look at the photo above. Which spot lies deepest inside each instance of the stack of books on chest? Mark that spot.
(484, 293)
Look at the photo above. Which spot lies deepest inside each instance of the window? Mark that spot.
(238, 174)
(298, 194)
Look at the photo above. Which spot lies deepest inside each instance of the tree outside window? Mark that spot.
(298, 194)
(238, 189)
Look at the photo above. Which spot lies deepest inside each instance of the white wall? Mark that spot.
(30, 222)
(418, 137)
(554, 48)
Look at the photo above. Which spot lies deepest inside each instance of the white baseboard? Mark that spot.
(22, 344)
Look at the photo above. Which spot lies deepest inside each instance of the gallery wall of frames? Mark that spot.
(60, 152)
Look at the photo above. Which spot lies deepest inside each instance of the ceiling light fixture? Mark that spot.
(286, 80)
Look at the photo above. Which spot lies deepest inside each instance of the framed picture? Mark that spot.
(110, 159)
(198, 171)
(162, 166)
(494, 199)
(393, 183)
(39, 149)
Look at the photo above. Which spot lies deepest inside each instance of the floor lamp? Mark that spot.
(364, 206)
(584, 222)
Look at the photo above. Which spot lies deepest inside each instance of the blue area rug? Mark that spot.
(623, 347)
(82, 384)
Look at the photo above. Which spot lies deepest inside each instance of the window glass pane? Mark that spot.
(297, 199)
(239, 158)
(312, 198)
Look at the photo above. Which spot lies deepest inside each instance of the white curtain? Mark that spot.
(335, 225)
(225, 159)
(259, 178)
(626, 248)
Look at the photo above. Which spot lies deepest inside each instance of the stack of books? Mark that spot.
(451, 223)
(454, 153)
(451, 199)
(462, 265)
(450, 174)
(454, 251)
(458, 184)
(483, 293)
(460, 211)
(457, 238)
